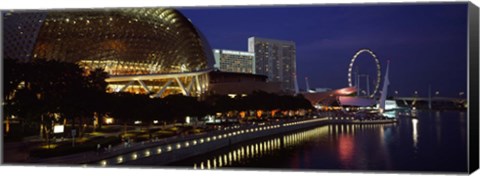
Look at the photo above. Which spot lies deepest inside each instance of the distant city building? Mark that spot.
(234, 61)
(275, 59)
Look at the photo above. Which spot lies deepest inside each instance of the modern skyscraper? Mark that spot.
(275, 59)
(234, 61)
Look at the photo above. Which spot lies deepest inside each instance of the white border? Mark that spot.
(56, 4)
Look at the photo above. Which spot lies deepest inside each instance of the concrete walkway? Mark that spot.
(18, 152)
(93, 156)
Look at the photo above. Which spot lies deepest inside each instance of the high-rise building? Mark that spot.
(234, 61)
(275, 59)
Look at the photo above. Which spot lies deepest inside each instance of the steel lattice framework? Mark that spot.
(123, 42)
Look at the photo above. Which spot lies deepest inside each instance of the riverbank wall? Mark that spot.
(180, 149)
(183, 149)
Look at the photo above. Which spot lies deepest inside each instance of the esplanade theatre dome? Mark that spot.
(154, 51)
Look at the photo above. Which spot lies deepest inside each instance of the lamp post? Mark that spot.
(414, 98)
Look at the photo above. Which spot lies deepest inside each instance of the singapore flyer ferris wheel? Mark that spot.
(378, 76)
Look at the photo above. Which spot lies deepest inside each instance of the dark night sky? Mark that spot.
(425, 43)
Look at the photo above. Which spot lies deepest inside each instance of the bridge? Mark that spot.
(447, 99)
(433, 99)
(439, 102)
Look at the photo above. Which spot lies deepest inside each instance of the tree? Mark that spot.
(96, 86)
(183, 106)
(61, 90)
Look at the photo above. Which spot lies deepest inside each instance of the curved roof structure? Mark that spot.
(133, 41)
(155, 51)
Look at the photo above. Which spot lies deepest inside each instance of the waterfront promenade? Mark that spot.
(167, 150)
(124, 148)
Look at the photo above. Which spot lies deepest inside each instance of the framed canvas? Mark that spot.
(349, 88)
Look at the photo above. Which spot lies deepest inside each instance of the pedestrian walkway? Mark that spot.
(108, 152)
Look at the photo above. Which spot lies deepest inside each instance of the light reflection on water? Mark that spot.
(344, 134)
(415, 132)
(412, 144)
(259, 149)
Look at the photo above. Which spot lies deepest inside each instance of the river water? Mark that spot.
(434, 142)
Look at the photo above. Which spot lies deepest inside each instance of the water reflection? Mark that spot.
(415, 133)
(346, 147)
(344, 135)
(356, 146)
(462, 130)
(259, 149)
(438, 126)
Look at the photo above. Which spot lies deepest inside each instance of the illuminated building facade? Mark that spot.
(234, 61)
(275, 59)
(155, 51)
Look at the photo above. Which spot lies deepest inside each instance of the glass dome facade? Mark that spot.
(135, 41)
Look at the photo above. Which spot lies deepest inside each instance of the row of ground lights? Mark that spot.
(147, 153)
